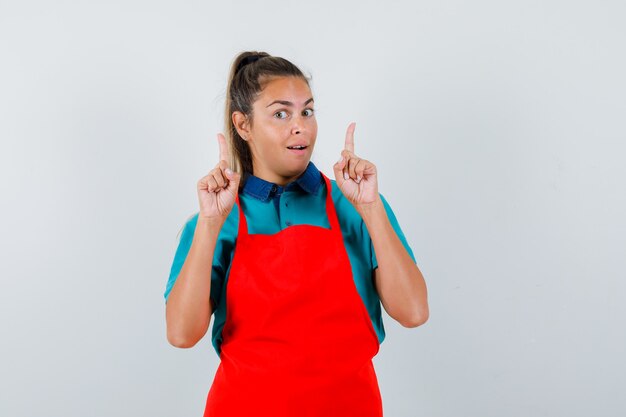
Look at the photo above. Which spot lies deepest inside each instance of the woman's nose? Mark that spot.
(297, 126)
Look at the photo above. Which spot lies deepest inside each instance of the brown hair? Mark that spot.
(245, 82)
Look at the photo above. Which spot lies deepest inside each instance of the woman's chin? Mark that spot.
(296, 167)
(298, 163)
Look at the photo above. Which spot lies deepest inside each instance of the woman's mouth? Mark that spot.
(298, 149)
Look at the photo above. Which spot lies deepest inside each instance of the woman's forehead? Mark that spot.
(292, 89)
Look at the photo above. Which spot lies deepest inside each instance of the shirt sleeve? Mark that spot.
(396, 228)
(184, 244)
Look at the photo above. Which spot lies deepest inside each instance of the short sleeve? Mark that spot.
(184, 244)
(396, 228)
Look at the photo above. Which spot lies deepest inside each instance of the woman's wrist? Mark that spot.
(210, 224)
(372, 209)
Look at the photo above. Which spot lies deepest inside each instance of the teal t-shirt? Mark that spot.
(270, 208)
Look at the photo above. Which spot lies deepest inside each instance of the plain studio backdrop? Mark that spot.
(497, 128)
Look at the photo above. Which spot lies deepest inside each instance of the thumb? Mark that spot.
(338, 170)
(233, 179)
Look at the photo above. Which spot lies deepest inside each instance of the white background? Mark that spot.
(498, 131)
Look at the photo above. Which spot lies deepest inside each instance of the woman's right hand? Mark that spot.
(217, 190)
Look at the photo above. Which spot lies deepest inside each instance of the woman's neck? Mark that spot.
(276, 178)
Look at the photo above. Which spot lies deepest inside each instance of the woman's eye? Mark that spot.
(280, 112)
(311, 111)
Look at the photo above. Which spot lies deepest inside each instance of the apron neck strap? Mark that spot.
(243, 224)
(330, 206)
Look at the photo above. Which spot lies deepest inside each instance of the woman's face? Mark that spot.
(283, 117)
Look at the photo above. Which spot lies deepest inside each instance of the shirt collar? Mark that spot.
(309, 181)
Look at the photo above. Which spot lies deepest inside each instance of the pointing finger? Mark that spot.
(350, 137)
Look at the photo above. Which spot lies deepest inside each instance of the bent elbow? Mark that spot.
(179, 341)
(417, 320)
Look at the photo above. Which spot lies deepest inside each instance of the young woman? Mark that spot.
(294, 265)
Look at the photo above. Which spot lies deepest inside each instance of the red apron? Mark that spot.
(297, 341)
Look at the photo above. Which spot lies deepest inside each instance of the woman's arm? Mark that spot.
(188, 309)
(398, 280)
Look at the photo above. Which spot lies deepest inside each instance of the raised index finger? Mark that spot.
(350, 137)
(224, 154)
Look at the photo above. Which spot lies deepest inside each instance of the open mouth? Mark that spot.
(297, 147)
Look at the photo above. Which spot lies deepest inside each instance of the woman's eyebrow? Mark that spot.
(288, 103)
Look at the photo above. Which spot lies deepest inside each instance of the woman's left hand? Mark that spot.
(356, 177)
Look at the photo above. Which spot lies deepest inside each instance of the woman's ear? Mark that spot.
(240, 121)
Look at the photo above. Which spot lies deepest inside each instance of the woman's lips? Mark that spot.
(300, 151)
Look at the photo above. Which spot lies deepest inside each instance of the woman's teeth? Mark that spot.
(296, 147)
